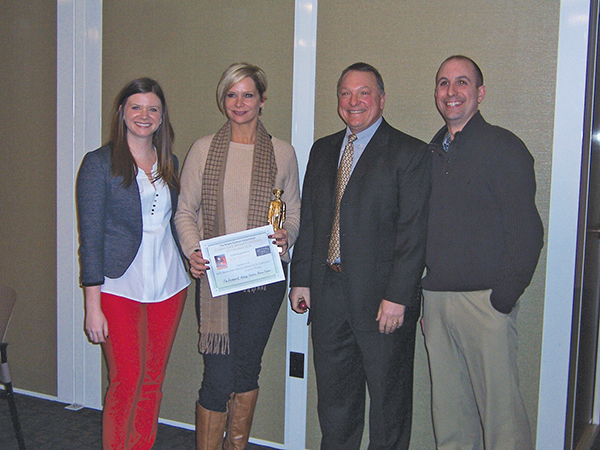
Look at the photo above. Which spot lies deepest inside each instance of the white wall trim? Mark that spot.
(303, 115)
(562, 227)
(78, 114)
(51, 398)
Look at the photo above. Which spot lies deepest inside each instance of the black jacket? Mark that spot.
(383, 217)
(484, 229)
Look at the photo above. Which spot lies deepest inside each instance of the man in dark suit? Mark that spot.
(357, 264)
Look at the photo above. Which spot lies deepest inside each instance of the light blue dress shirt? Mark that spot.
(362, 140)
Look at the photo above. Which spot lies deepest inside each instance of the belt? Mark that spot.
(336, 267)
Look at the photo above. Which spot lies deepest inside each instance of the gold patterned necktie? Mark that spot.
(343, 176)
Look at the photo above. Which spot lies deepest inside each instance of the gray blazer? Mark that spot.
(110, 219)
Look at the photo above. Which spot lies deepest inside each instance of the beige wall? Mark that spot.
(186, 46)
(28, 187)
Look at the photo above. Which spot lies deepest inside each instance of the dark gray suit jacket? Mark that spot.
(383, 219)
(110, 219)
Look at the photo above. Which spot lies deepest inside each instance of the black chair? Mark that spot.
(8, 298)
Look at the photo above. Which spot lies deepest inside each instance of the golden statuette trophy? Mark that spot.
(277, 210)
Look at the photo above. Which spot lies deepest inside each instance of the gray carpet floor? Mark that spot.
(47, 425)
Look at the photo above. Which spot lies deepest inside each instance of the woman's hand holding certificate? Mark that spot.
(241, 261)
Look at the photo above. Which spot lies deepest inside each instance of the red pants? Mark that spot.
(137, 351)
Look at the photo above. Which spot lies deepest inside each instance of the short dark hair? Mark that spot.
(478, 72)
(363, 67)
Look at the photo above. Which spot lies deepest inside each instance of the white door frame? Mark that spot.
(78, 111)
(562, 225)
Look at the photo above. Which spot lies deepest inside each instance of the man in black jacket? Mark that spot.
(483, 243)
(357, 264)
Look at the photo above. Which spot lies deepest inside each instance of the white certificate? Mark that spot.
(243, 260)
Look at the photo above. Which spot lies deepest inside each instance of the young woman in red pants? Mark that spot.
(132, 271)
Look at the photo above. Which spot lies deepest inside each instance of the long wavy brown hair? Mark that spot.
(123, 163)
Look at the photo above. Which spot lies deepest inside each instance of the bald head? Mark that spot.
(478, 74)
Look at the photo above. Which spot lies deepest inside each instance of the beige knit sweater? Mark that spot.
(236, 191)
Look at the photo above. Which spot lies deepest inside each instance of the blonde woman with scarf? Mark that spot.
(227, 184)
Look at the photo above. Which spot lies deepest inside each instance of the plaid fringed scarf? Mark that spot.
(214, 330)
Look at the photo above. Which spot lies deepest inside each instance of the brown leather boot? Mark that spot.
(239, 419)
(210, 426)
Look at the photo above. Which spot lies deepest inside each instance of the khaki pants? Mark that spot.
(472, 350)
